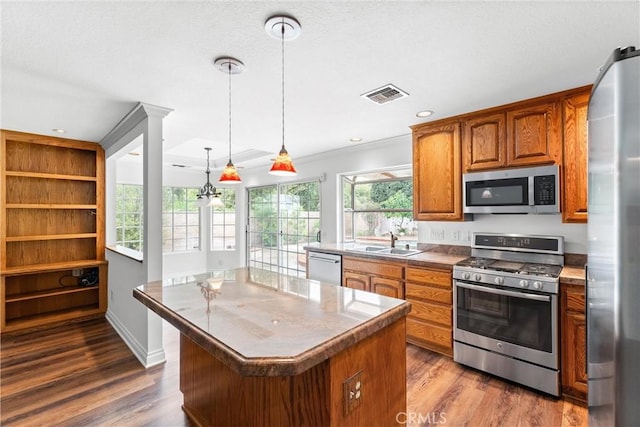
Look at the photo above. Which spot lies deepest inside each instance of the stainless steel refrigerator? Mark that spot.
(613, 268)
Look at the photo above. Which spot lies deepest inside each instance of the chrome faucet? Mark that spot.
(393, 239)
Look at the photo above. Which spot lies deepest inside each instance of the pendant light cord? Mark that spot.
(229, 111)
(282, 47)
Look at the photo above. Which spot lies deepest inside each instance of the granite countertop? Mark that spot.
(443, 256)
(572, 275)
(261, 323)
(446, 256)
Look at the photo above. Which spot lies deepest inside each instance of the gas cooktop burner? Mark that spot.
(493, 265)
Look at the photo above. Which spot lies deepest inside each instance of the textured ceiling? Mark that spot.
(81, 66)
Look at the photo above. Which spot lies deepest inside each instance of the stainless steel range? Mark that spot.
(506, 308)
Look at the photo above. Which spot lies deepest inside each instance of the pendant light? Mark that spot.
(208, 191)
(229, 66)
(283, 28)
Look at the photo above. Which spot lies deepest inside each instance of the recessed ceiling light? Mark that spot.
(56, 130)
(356, 139)
(424, 113)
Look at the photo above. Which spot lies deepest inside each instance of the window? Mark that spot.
(376, 203)
(282, 220)
(129, 218)
(223, 222)
(180, 219)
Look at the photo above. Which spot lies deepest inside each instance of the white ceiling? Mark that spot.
(81, 66)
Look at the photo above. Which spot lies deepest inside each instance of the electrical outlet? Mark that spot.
(437, 234)
(76, 272)
(352, 388)
(455, 235)
(111, 294)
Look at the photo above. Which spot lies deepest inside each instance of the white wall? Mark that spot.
(575, 235)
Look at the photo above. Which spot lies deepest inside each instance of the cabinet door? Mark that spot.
(483, 143)
(355, 280)
(437, 188)
(573, 339)
(574, 176)
(534, 135)
(574, 373)
(388, 287)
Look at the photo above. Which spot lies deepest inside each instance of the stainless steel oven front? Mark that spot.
(508, 332)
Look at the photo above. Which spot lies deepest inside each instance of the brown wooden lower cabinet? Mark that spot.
(430, 323)
(573, 341)
(216, 395)
(380, 277)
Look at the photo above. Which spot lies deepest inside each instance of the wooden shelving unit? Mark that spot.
(51, 231)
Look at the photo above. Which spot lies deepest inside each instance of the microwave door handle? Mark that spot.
(531, 184)
(488, 290)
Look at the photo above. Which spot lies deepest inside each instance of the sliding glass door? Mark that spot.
(282, 220)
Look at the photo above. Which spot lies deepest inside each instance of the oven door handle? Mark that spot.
(503, 292)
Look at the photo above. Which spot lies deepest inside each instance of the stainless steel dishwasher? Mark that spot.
(325, 267)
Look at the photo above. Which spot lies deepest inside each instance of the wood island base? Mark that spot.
(216, 395)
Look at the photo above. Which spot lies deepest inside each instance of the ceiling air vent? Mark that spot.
(385, 94)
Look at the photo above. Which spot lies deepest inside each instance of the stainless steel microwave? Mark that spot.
(526, 190)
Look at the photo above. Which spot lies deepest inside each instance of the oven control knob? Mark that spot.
(524, 284)
(466, 275)
(477, 277)
(537, 285)
(499, 280)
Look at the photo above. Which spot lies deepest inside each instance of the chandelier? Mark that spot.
(208, 191)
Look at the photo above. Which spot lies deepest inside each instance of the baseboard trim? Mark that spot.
(147, 359)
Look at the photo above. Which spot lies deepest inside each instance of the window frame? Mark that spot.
(224, 225)
(351, 209)
(189, 200)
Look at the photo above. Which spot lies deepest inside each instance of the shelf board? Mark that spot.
(49, 293)
(51, 237)
(47, 206)
(58, 266)
(51, 176)
(49, 317)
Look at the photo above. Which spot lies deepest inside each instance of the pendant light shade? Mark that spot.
(283, 166)
(283, 28)
(229, 66)
(230, 175)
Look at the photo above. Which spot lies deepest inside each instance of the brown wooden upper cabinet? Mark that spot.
(550, 129)
(484, 142)
(437, 179)
(576, 158)
(517, 136)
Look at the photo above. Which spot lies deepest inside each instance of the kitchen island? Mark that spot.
(261, 348)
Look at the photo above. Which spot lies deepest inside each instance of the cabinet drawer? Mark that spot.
(430, 293)
(374, 268)
(432, 313)
(429, 276)
(428, 333)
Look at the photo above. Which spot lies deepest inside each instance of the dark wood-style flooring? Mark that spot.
(84, 375)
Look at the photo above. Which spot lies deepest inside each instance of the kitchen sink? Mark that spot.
(367, 248)
(398, 251)
(381, 250)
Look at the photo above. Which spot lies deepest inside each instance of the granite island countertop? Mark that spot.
(262, 323)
